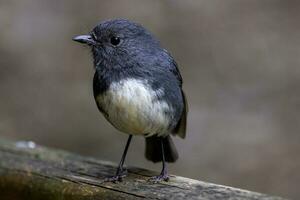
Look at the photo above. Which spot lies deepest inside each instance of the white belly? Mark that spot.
(132, 107)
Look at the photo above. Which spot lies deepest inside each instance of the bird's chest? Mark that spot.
(133, 107)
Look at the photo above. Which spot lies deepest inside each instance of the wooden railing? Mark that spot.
(29, 171)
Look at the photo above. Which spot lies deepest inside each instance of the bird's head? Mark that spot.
(119, 41)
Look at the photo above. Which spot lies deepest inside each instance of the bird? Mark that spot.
(137, 86)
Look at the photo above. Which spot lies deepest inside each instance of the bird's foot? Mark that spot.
(115, 179)
(118, 177)
(159, 178)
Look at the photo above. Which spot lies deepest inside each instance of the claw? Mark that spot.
(159, 178)
(115, 179)
(118, 177)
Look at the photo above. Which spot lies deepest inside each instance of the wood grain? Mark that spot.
(34, 172)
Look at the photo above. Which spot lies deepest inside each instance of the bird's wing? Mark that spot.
(173, 67)
(180, 128)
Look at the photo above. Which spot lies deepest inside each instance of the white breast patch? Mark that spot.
(132, 107)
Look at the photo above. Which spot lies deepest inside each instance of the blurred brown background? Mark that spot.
(239, 60)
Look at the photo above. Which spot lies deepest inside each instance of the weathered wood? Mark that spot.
(35, 172)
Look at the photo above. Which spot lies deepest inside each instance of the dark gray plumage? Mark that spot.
(138, 88)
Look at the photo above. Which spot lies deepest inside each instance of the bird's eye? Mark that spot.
(115, 40)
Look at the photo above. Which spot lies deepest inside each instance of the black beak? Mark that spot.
(85, 39)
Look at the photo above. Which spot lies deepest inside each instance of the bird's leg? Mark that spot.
(121, 172)
(164, 172)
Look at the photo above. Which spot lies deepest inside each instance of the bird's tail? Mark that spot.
(153, 149)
